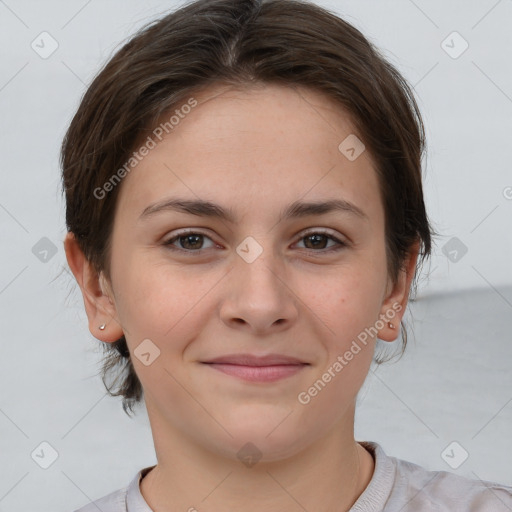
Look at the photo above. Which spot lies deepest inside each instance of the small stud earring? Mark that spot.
(391, 326)
(102, 327)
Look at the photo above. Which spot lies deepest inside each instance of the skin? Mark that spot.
(254, 151)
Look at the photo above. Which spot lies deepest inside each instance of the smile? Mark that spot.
(267, 373)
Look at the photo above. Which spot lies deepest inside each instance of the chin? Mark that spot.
(265, 441)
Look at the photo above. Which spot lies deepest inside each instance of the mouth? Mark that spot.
(248, 367)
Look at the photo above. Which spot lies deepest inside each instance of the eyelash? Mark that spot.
(341, 245)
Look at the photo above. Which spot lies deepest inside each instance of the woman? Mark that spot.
(245, 218)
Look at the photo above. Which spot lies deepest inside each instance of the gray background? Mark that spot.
(453, 384)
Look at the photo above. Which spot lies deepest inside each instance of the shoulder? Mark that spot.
(442, 491)
(398, 484)
(113, 502)
(122, 500)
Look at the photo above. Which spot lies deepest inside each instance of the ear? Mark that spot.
(98, 296)
(393, 307)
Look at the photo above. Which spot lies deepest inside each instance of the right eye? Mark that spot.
(190, 241)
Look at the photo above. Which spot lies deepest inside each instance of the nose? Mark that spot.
(258, 297)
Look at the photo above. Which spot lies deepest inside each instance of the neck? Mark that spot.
(327, 475)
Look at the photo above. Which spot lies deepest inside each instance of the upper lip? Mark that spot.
(253, 360)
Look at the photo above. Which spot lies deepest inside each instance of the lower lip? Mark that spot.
(258, 373)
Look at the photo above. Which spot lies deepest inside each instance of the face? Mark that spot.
(261, 280)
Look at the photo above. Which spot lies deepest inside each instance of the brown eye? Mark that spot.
(189, 241)
(317, 242)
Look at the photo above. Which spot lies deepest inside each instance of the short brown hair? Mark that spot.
(240, 43)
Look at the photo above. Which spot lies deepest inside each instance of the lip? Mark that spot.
(254, 360)
(253, 368)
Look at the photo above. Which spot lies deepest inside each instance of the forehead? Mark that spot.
(264, 142)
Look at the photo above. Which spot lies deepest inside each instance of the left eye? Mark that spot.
(192, 241)
(316, 240)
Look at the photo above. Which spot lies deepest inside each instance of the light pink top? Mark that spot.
(396, 485)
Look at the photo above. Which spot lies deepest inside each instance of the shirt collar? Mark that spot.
(135, 502)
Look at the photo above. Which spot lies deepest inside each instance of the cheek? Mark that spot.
(161, 302)
(349, 299)
(350, 307)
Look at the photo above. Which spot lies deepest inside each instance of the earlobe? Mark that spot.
(99, 306)
(391, 328)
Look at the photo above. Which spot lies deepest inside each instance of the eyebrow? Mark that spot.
(208, 209)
